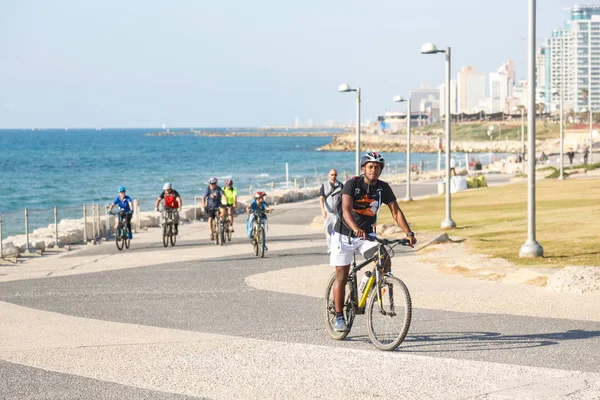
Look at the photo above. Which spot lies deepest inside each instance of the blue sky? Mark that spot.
(185, 63)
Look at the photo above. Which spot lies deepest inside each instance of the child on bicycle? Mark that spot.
(125, 204)
(257, 204)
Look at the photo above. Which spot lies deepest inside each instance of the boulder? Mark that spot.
(9, 249)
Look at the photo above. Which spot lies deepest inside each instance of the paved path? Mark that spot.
(201, 321)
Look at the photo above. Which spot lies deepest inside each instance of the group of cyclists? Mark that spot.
(214, 200)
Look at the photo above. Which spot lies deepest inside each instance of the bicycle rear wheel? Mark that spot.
(126, 239)
(165, 234)
(261, 242)
(118, 239)
(172, 236)
(329, 310)
(388, 325)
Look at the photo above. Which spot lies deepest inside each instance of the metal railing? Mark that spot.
(33, 231)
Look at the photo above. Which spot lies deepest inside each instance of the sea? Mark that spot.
(45, 168)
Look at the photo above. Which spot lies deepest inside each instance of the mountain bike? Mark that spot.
(258, 233)
(385, 300)
(122, 232)
(169, 226)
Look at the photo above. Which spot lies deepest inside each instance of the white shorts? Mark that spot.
(344, 247)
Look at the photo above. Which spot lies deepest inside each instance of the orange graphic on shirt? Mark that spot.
(366, 206)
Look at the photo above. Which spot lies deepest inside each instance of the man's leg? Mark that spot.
(339, 295)
(230, 212)
(129, 217)
(176, 221)
(210, 227)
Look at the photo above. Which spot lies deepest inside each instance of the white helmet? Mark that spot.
(167, 186)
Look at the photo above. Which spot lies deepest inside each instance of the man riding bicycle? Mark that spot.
(211, 201)
(231, 197)
(125, 204)
(362, 197)
(257, 204)
(172, 202)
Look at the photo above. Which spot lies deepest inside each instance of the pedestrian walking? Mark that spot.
(330, 198)
(571, 155)
(586, 152)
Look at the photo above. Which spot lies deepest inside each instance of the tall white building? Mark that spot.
(501, 87)
(453, 98)
(471, 89)
(572, 60)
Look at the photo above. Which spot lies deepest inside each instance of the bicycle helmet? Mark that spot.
(121, 189)
(372, 157)
(259, 194)
(213, 180)
(167, 186)
(228, 181)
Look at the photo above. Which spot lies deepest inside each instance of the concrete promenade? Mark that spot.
(204, 321)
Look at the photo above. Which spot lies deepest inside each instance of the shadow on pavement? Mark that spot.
(475, 341)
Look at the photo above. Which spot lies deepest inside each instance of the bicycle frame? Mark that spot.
(375, 277)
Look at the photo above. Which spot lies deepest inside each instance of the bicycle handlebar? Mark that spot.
(386, 242)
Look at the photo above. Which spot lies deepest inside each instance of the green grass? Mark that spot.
(495, 220)
(478, 131)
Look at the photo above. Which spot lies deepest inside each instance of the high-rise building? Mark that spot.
(573, 60)
(420, 94)
(453, 98)
(471, 89)
(501, 87)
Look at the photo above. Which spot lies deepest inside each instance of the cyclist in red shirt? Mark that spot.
(172, 201)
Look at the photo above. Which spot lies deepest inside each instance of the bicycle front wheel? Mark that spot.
(119, 239)
(216, 231)
(172, 235)
(165, 235)
(329, 310)
(388, 323)
(261, 242)
(222, 228)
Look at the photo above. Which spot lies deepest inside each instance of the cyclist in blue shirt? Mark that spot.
(211, 202)
(125, 204)
(257, 204)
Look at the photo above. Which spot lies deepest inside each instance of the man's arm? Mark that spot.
(347, 201)
(398, 216)
(322, 202)
(157, 203)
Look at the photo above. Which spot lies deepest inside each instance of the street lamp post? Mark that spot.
(490, 132)
(560, 93)
(399, 99)
(430, 48)
(347, 88)
(531, 248)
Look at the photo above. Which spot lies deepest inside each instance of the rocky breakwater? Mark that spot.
(419, 144)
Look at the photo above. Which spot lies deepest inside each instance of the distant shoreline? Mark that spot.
(264, 133)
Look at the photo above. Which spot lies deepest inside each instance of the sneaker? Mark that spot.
(340, 325)
(130, 235)
(266, 248)
(176, 232)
